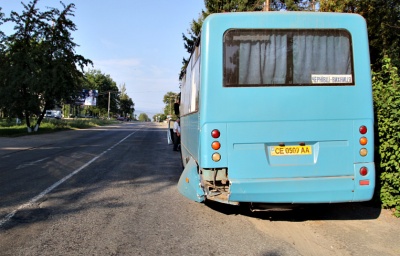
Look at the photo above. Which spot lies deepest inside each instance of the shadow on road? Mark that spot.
(305, 212)
(144, 165)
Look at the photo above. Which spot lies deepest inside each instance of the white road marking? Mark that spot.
(58, 183)
(31, 163)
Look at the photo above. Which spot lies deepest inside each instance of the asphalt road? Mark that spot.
(112, 191)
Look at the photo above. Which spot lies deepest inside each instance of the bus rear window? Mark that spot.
(276, 57)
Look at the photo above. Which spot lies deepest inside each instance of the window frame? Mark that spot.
(291, 33)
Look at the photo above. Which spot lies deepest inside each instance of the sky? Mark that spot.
(137, 42)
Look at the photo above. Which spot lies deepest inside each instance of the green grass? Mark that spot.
(10, 129)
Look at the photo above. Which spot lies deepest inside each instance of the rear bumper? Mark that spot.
(301, 190)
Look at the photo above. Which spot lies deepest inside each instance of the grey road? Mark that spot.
(112, 191)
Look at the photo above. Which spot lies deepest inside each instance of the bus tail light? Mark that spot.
(363, 171)
(363, 140)
(215, 134)
(363, 129)
(216, 157)
(363, 152)
(216, 145)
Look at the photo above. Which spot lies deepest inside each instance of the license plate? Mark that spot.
(290, 150)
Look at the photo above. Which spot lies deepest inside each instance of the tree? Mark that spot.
(293, 5)
(383, 20)
(3, 109)
(1, 32)
(144, 118)
(169, 100)
(38, 63)
(218, 6)
(159, 117)
(107, 87)
(126, 107)
(191, 39)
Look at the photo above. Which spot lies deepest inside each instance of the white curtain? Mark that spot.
(320, 54)
(263, 61)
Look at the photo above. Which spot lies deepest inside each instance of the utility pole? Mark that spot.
(109, 97)
(266, 6)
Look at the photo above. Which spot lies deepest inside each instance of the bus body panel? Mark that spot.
(329, 174)
(231, 104)
(188, 184)
(254, 120)
(301, 190)
(189, 143)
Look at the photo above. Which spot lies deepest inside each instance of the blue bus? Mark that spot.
(276, 107)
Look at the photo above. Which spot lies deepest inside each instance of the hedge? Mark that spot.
(386, 93)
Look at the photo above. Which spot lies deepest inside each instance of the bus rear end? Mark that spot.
(285, 109)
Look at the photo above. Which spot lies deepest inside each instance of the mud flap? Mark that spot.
(189, 183)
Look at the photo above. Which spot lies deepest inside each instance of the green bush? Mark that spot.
(386, 91)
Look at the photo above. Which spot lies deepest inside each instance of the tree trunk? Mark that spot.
(40, 119)
(28, 122)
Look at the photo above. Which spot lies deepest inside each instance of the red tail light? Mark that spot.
(215, 133)
(363, 171)
(363, 129)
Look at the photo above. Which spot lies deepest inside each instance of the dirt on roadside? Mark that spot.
(337, 229)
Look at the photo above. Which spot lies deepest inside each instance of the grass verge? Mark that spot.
(51, 125)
